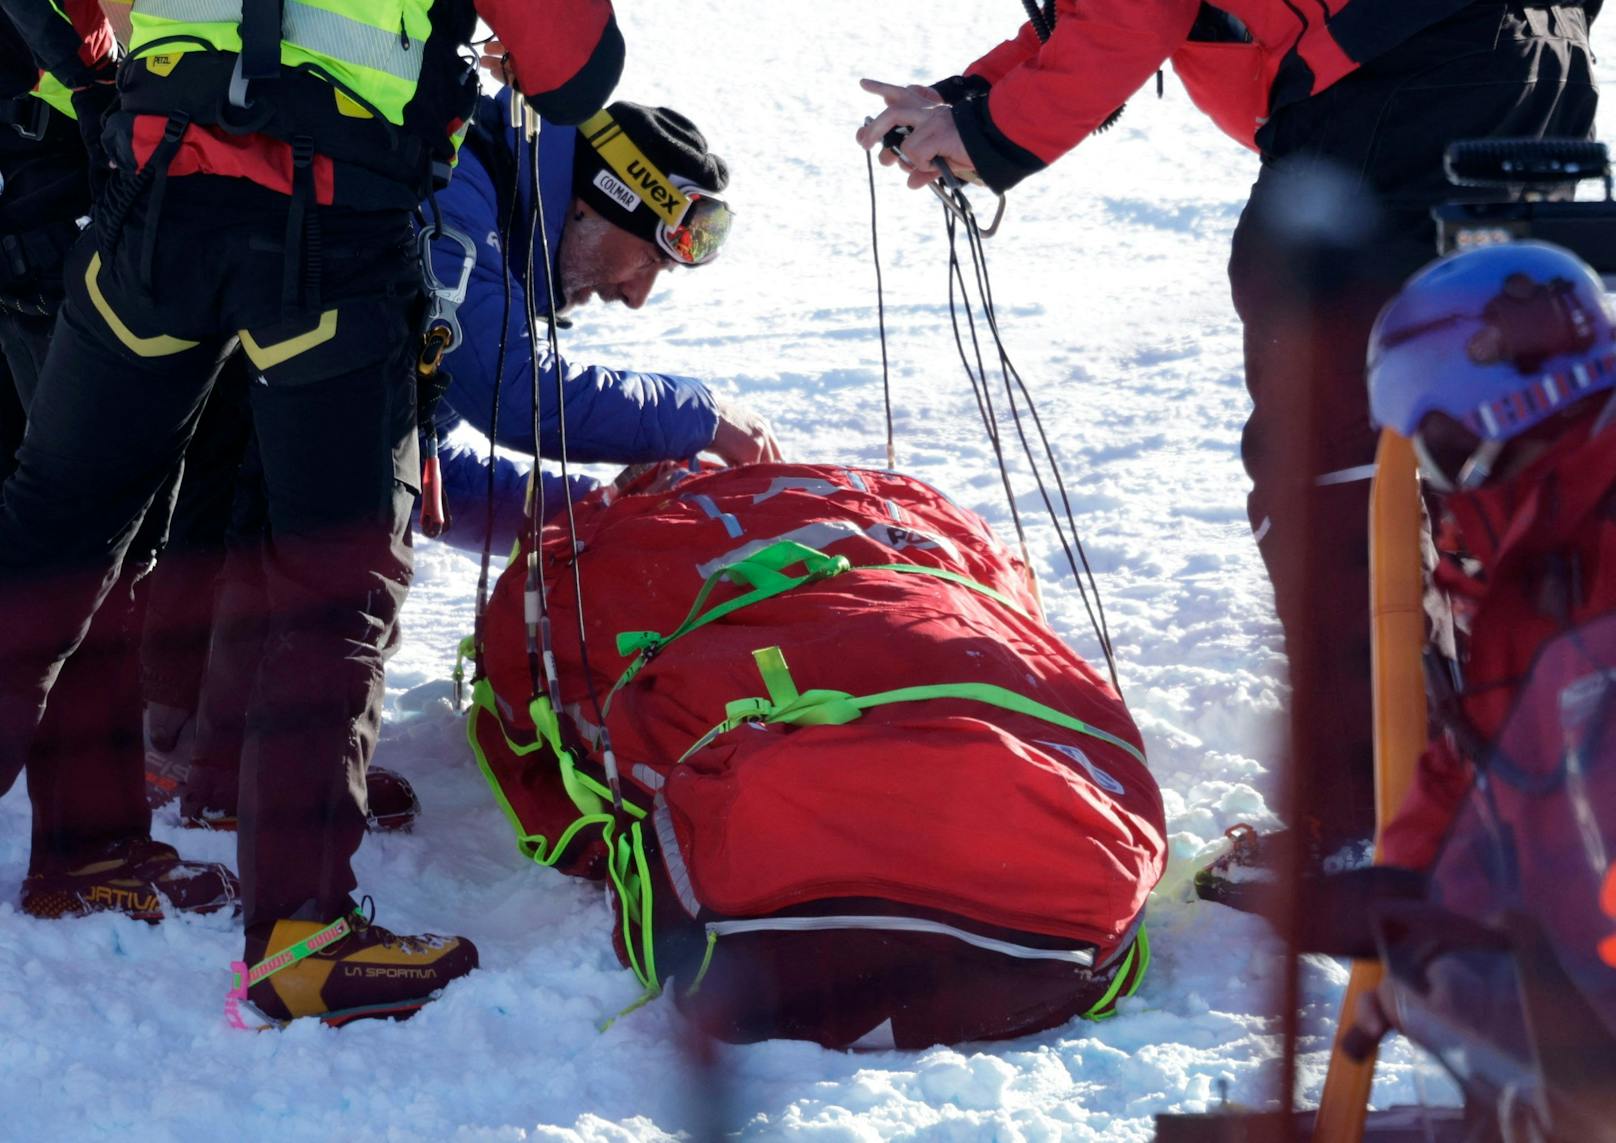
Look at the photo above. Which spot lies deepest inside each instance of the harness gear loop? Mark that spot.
(260, 58)
(155, 173)
(27, 115)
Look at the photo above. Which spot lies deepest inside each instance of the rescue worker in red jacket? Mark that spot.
(1372, 89)
(267, 160)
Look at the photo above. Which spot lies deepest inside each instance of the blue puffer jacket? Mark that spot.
(614, 415)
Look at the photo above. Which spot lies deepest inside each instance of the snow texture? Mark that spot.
(1109, 276)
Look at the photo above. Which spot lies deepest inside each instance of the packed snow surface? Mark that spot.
(1109, 276)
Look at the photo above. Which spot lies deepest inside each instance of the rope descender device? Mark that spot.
(947, 185)
(442, 333)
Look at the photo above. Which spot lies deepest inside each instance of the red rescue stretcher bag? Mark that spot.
(868, 796)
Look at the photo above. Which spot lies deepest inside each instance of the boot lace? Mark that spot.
(365, 927)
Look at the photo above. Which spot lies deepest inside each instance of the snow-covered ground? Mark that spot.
(1109, 275)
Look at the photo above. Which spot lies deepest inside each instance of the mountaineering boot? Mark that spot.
(208, 799)
(351, 969)
(393, 804)
(139, 877)
(1247, 877)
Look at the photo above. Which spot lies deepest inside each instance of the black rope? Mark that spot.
(979, 385)
(1076, 555)
(603, 742)
(881, 314)
(506, 223)
(1008, 370)
(541, 653)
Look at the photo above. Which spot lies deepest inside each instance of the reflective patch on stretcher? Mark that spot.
(731, 524)
(821, 534)
(796, 484)
(898, 539)
(1101, 779)
(673, 858)
(818, 535)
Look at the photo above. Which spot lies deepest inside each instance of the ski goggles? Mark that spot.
(700, 232)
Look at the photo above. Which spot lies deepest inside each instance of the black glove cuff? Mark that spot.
(1000, 162)
(958, 87)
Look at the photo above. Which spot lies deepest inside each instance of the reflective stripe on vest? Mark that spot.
(372, 47)
(56, 93)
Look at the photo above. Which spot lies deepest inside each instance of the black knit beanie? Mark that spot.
(630, 197)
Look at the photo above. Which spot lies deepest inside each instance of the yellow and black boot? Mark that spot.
(141, 878)
(351, 969)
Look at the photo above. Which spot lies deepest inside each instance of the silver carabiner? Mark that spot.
(952, 181)
(445, 300)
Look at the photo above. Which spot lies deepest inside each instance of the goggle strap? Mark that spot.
(1479, 467)
(1429, 469)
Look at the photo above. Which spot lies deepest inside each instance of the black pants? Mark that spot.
(1492, 70)
(84, 769)
(240, 626)
(133, 359)
(85, 787)
(24, 337)
(185, 583)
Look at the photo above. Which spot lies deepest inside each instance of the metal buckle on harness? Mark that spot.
(34, 120)
(445, 300)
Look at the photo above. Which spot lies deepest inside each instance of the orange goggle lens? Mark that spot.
(700, 234)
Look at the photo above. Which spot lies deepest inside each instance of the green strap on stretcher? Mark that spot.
(765, 573)
(787, 705)
(626, 863)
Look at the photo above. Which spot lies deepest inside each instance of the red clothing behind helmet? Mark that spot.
(1547, 542)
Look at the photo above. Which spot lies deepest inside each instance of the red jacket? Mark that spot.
(1101, 51)
(1547, 542)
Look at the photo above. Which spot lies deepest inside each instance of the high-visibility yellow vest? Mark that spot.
(373, 49)
(56, 93)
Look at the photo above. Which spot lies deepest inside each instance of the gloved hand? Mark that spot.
(742, 437)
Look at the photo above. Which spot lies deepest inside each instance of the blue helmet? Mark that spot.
(1498, 338)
